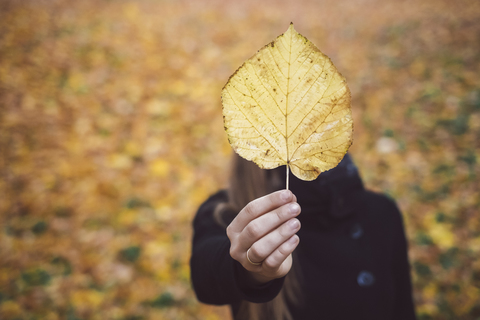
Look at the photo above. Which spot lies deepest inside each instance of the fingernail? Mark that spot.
(285, 195)
(294, 239)
(294, 208)
(294, 224)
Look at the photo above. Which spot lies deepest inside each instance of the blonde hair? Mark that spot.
(248, 182)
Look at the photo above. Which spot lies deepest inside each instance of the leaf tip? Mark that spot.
(290, 30)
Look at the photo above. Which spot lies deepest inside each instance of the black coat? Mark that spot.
(352, 255)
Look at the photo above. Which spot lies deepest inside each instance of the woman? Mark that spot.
(351, 262)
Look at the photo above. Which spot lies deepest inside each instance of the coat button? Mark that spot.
(356, 232)
(365, 279)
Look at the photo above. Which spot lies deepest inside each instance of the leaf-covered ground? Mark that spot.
(111, 135)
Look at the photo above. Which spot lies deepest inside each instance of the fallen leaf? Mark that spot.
(288, 105)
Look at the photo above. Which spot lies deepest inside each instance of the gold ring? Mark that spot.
(248, 258)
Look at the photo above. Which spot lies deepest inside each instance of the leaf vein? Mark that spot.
(311, 51)
(261, 82)
(313, 82)
(278, 67)
(251, 122)
(320, 122)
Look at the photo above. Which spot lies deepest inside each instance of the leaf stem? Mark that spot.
(288, 170)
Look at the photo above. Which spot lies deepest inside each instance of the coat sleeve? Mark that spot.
(403, 305)
(216, 277)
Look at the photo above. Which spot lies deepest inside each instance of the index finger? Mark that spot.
(260, 206)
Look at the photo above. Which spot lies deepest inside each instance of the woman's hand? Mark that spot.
(265, 230)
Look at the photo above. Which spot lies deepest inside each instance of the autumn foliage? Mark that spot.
(111, 135)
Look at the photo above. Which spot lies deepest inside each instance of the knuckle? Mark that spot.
(234, 252)
(229, 232)
(270, 263)
(283, 251)
(250, 209)
(285, 231)
(272, 200)
(279, 213)
(253, 230)
(255, 253)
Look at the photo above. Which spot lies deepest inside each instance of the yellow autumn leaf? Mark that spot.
(10, 309)
(87, 299)
(160, 168)
(288, 105)
(442, 235)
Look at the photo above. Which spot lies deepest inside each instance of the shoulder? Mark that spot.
(380, 201)
(205, 212)
(209, 205)
(213, 200)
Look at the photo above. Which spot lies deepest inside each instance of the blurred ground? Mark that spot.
(111, 135)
